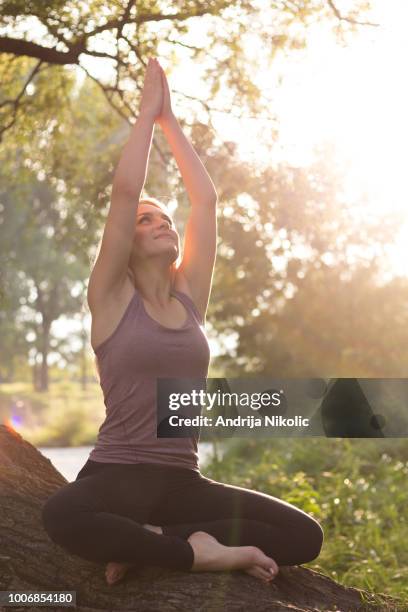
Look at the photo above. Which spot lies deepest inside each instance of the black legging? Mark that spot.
(99, 517)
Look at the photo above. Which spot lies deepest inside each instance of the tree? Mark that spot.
(298, 276)
(50, 218)
(29, 561)
(54, 34)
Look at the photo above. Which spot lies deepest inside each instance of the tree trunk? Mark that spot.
(30, 561)
(36, 375)
(45, 347)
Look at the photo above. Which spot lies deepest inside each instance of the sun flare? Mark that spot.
(353, 96)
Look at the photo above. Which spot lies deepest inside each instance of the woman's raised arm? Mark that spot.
(110, 270)
(199, 251)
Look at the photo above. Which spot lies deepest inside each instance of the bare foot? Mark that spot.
(260, 572)
(210, 555)
(115, 570)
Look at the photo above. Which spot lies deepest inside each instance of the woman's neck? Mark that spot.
(155, 286)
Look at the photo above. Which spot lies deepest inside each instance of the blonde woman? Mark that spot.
(141, 500)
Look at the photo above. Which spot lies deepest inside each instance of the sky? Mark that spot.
(354, 96)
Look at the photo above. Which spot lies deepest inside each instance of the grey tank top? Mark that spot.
(139, 351)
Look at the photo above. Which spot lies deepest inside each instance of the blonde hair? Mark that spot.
(154, 201)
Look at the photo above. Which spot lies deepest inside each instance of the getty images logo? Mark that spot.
(226, 399)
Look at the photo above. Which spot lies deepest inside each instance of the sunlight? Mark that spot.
(353, 96)
(398, 253)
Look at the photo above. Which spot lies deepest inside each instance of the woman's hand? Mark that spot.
(166, 111)
(152, 93)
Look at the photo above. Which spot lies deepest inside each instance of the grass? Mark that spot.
(355, 488)
(64, 416)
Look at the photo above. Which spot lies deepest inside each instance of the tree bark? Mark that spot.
(30, 561)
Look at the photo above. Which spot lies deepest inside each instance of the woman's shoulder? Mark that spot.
(110, 314)
(180, 284)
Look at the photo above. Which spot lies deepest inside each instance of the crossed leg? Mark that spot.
(236, 516)
(103, 516)
(100, 517)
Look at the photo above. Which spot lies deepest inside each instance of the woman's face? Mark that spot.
(155, 233)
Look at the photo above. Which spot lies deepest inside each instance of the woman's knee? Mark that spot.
(56, 515)
(311, 538)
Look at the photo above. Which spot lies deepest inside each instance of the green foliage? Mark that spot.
(319, 314)
(39, 8)
(355, 488)
(53, 187)
(30, 106)
(64, 416)
(333, 326)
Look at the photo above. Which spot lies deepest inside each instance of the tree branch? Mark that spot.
(212, 109)
(178, 16)
(18, 46)
(114, 58)
(135, 50)
(53, 30)
(105, 90)
(349, 19)
(143, 18)
(16, 102)
(125, 17)
(192, 48)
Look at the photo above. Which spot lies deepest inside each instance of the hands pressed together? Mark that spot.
(156, 102)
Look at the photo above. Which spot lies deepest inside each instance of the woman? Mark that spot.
(141, 500)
